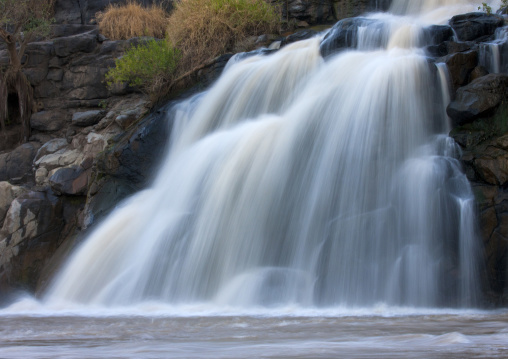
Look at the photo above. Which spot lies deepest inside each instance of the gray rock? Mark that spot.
(69, 180)
(48, 121)
(16, 166)
(87, 118)
(127, 118)
(50, 147)
(60, 158)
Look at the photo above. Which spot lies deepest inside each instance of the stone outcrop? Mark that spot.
(473, 26)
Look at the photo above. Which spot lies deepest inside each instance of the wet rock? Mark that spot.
(437, 34)
(479, 98)
(87, 118)
(48, 121)
(344, 34)
(474, 25)
(478, 72)
(493, 170)
(300, 35)
(460, 66)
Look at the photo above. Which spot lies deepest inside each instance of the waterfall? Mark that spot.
(300, 180)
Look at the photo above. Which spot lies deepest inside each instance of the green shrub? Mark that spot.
(204, 29)
(150, 66)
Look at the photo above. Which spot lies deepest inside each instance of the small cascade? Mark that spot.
(301, 180)
(494, 55)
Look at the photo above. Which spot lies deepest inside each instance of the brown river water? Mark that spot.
(152, 332)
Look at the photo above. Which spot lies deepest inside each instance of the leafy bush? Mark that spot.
(204, 29)
(132, 20)
(150, 66)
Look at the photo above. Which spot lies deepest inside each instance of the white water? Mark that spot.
(295, 181)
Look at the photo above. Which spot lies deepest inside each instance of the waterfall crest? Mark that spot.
(295, 180)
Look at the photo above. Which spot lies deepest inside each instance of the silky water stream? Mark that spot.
(307, 207)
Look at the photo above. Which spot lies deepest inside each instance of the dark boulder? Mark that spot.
(480, 98)
(474, 25)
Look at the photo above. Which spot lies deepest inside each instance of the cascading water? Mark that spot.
(491, 53)
(299, 180)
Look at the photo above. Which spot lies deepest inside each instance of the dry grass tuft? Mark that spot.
(204, 29)
(132, 20)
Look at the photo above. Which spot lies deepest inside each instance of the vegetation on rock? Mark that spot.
(132, 20)
(150, 66)
(204, 29)
(197, 31)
